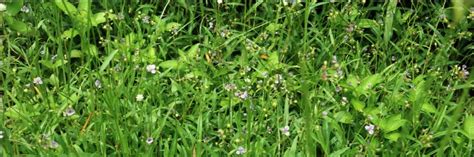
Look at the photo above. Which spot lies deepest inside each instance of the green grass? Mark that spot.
(186, 78)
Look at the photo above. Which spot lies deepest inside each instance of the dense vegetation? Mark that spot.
(251, 78)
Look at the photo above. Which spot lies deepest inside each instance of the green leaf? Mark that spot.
(387, 35)
(344, 117)
(193, 51)
(84, 5)
(273, 59)
(172, 26)
(66, 7)
(469, 126)
(98, 18)
(151, 54)
(427, 107)
(273, 27)
(70, 33)
(76, 54)
(367, 23)
(339, 152)
(358, 105)
(107, 60)
(17, 25)
(370, 81)
(171, 64)
(14, 7)
(392, 123)
(393, 136)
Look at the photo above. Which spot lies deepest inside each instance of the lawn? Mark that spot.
(244, 78)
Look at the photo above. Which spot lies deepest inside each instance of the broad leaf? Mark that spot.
(392, 123)
(66, 7)
(469, 126)
(393, 136)
(76, 54)
(358, 105)
(344, 117)
(427, 107)
(14, 7)
(367, 23)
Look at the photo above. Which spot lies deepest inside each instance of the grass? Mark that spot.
(187, 78)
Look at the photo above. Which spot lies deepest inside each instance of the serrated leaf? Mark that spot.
(76, 54)
(393, 136)
(344, 117)
(469, 126)
(66, 7)
(358, 105)
(427, 107)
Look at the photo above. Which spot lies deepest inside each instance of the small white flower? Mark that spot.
(146, 19)
(344, 100)
(151, 68)
(219, 1)
(229, 86)
(278, 79)
(3, 7)
(325, 113)
(53, 144)
(69, 111)
(25, 9)
(140, 97)
(98, 84)
(242, 95)
(370, 129)
(1, 134)
(149, 140)
(240, 151)
(37, 80)
(285, 130)
(120, 16)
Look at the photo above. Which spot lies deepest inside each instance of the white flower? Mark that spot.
(69, 111)
(242, 95)
(140, 97)
(37, 80)
(240, 151)
(285, 130)
(149, 140)
(98, 84)
(151, 68)
(1, 134)
(25, 9)
(219, 1)
(146, 19)
(54, 144)
(229, 86)
(325, 113)
(3, 7)
(370, 129)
